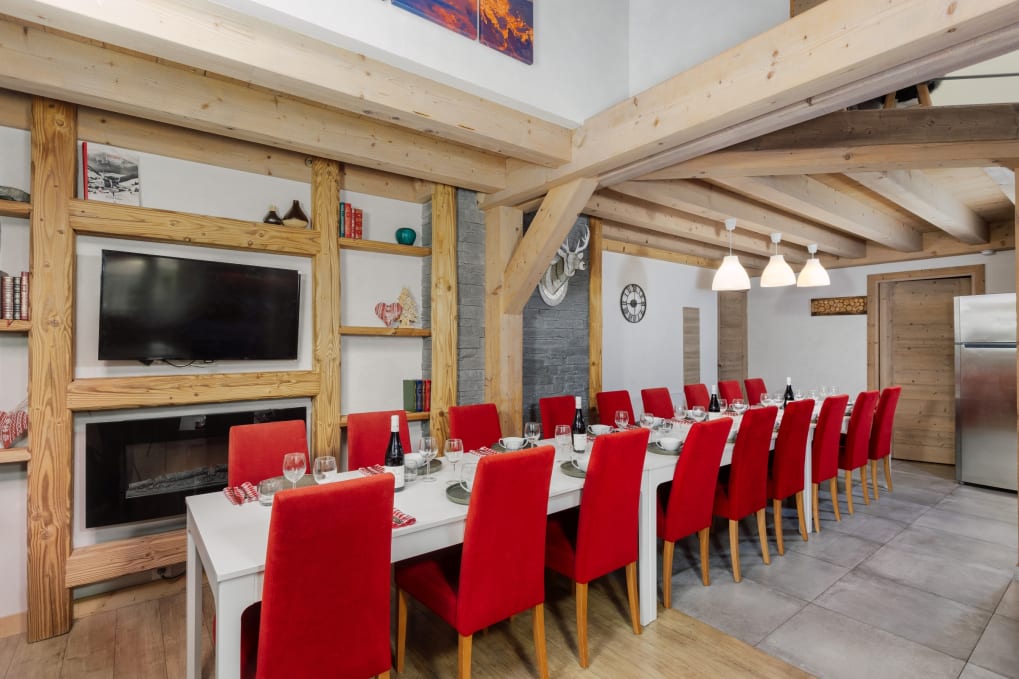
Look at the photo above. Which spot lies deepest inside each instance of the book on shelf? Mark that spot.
(417, 395)
(342, 222)
(358, 220)
(348, 220)
(14, 297)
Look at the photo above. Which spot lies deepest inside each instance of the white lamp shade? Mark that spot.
(731, 275)
(778, 273)
(812, 275)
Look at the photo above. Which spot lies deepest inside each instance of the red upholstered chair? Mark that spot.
(556, 410)
(755, 387)
(824, 453)
(611, 401)
(696, 395)
(658, 402)
(476, 425)
(881, 435)
(729, 390)
(685, 508)
(499, 570)
(368, 437)
(785, 475)
(854, 449)
(601, 536)
(255, 451)
(746, 490)
(293, 632)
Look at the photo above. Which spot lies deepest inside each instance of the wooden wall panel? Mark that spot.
(732, 335)
(445, 317)
(96, 563)
(691, 345)
(594, 316)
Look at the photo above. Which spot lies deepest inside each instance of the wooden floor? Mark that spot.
(141, 634)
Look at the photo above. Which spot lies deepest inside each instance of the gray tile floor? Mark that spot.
(918, 584)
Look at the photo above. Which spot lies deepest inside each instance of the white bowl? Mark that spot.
(599, 429)
(512, 442)
(669, 443)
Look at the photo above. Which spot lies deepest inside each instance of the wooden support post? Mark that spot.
(51, 347)
(594, 314)
(325, 212)
(504, 342)
(444, 310)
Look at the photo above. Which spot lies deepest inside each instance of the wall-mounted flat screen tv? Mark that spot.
(169, 308)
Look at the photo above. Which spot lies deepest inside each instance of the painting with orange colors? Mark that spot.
(456, 15)
(508, 26)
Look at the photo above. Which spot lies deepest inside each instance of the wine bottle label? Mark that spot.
(397, 473)
(579, 442)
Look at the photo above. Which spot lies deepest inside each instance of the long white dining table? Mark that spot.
(228, 544)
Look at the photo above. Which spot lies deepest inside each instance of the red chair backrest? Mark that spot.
(556, 410)
(729, 390)
(884, 421)
(368, 437)
(748, 475)
(755, 387)
(657, 402)
(611, 401)
(791, 449)
(609, 506)
(857, 443)
(310, 535)
(693, 482)
(696, 395)
(475, 425)
(824, 455)
(502, 569)
(255, 451)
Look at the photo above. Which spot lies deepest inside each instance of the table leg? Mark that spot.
(647, 555)
(230, 604)
(808, 500)
(194, 611)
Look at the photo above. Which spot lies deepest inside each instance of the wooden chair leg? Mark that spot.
(776, 509)
(539, 640)
(833, 485)
(401, 628)
(799, 515)
(702, 536)
(762, 534)
(734, 549)
(382, 675)
(873, 478)
(816, 511)
(463, 656)
(581, 624)
(849, 490)
(631, 595)
(888, 472)
(667, 550)
(863, 482)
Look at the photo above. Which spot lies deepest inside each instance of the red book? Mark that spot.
(348, 220)
(428, 396)
(358, 217)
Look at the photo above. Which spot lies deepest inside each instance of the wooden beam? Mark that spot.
(621, 233)
(208, 36)
(43, 63)
(843, 52)
(820, 202)
(108, 560)
(556, 216)
(935, 244)
(15, 110)
(1005, 178)
(51, 347)
(711, 202)
(594, 314)
(504, 338)
(445, 315)
(623, 248)
(914, 191)
(325, 214)
(868, 140)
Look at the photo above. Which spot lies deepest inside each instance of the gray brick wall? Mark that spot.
(470, 257)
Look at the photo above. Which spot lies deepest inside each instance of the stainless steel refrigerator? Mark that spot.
(985, 390)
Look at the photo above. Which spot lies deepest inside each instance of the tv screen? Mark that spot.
(169, 308)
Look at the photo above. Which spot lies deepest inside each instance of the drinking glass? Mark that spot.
(324, 469)
(563, 439)
(467, 477)
(428, 449)
(723, 405)
(454, 451)
(267, 488)
(698, 413)
(622, 419)
(647, 420)
(532, 432)
(294, 466)
(765, 399)
(739, 406)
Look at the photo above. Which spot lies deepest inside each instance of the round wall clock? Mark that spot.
(633, 303)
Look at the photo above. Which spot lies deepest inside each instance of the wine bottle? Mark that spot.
(713, 406)
(788, 391)
(579, 430)
(394, 453)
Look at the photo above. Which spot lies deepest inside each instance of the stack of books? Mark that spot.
(14, 297)
(351, 219)
(417, 395)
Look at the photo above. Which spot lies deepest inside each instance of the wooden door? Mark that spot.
(917, 351)
(691, 345)
(732, 335)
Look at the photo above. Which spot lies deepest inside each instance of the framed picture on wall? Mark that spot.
(456, 15)
(110, 174)
(508, 27)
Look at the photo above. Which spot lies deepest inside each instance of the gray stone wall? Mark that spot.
(470, 257)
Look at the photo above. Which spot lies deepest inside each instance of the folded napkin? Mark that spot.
(372, 470)
(485, 450)
(238, 495)
(401, 519)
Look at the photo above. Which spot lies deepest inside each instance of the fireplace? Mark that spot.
(142, 469)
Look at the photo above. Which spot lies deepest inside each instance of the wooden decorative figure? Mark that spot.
(409, 316)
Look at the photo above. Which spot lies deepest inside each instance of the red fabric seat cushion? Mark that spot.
(368, 437)
(611, 401)
(685, 505)
(747, 489)
(854, 450)
(476, 425)
(696, 395)
(255, 451)
(556, 410)
(658, 402)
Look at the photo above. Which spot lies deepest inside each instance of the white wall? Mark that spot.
(786, 341)
(636, 356)
(981, 90)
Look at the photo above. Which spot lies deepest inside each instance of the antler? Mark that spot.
(565, 249)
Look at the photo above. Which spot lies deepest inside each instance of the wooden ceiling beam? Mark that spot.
(43, 63)
(711, 255)
(935, 244)
(1004, 177)
(822, 203)
(711, 202)
(914, 191)
(649, 252)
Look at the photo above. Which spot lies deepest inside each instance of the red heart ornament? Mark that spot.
(389, 313)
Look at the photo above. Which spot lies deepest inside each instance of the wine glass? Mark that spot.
(723, 406)
(765, 399)
(454, 451)
(467, 477)
(739, 406)
(698, 413)
(324, 469)
(622, 419)
(294, 466)
(563, 438)
(532, 432)
(647, 420)
(428, 449)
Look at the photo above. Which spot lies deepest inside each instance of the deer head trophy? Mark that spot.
(568, 261)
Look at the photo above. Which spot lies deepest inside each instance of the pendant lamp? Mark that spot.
(813, 274)
(731, 275)
(778, 273)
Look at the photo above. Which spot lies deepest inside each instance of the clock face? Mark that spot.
(633, 303)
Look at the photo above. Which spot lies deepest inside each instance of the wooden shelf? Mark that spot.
(15, 326)
(369, 331)
(14, 455)
(386, 248)
(411, 417)
(15, 208)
